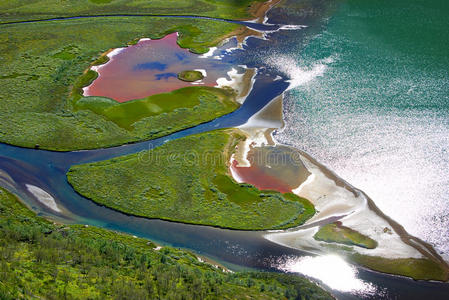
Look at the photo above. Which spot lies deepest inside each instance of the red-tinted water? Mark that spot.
(276, 168)
(151, 67)
(259, 178)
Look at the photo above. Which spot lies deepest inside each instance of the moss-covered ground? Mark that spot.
(22, 10)
(42, 66)
(43, 260)
(416, 268)
(337, 233)
(186, 180)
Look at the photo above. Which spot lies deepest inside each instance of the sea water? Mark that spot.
(369, 97)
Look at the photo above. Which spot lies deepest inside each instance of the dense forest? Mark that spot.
(41, 259)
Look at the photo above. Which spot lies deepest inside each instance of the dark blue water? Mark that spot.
(236, 249)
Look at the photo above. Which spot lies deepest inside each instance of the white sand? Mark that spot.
(237, 83)
(43, 197)
(330, 200)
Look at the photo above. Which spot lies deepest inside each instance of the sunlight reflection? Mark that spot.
(332, 270)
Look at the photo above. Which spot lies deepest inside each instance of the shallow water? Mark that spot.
(272, 168)
(235, 249)
(372, 104)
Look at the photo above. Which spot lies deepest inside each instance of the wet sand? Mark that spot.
(424, 248)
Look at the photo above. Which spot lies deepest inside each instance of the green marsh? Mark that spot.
(186, 180)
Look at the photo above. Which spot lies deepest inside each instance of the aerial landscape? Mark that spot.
(218, 149)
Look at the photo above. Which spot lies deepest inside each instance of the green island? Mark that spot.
(337, 233)
(41, 259)
(190, 75)
(44, 66)
(416, 268)
(187, 180)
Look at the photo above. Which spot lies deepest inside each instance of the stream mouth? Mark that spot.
(21, 168)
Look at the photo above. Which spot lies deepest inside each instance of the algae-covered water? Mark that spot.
(370, 99)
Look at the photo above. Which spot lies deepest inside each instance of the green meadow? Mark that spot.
(41, 259)
(337, 233)
(161, 114)
(21, 10)
(186, 180)
(416, 268)
(43, 69)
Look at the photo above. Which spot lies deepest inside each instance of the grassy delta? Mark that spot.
(42, 63)
(162, 114)
(186, 180)
(20, 10)
(190, 76)
(337, 233)
(416, 268)
(40, 259)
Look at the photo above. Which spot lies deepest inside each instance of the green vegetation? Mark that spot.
(186, 180)
(40, 259)
(21, 10)
(162, 114)
(416, 268)
(337, 233)
(190, 76)
(84, 80)
(43, 69)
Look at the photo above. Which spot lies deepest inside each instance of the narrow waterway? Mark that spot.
(236, 249)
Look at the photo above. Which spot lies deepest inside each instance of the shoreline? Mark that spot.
(260, 123)
(425, 250)
(398, 228)
(260, 9)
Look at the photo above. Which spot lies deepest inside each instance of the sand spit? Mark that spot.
(331, 200)
(242, 83)
(425, 249)
(43, 197)
(258, 130)
(334, 199)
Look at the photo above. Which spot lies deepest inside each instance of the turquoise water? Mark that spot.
(338, 109)
(370, 99)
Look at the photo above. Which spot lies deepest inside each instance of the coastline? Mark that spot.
(260, 9)
(342, 212)
(258, 131)
(423, 247)
(219, 235)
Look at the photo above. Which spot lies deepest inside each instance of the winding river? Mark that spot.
(21, 168)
